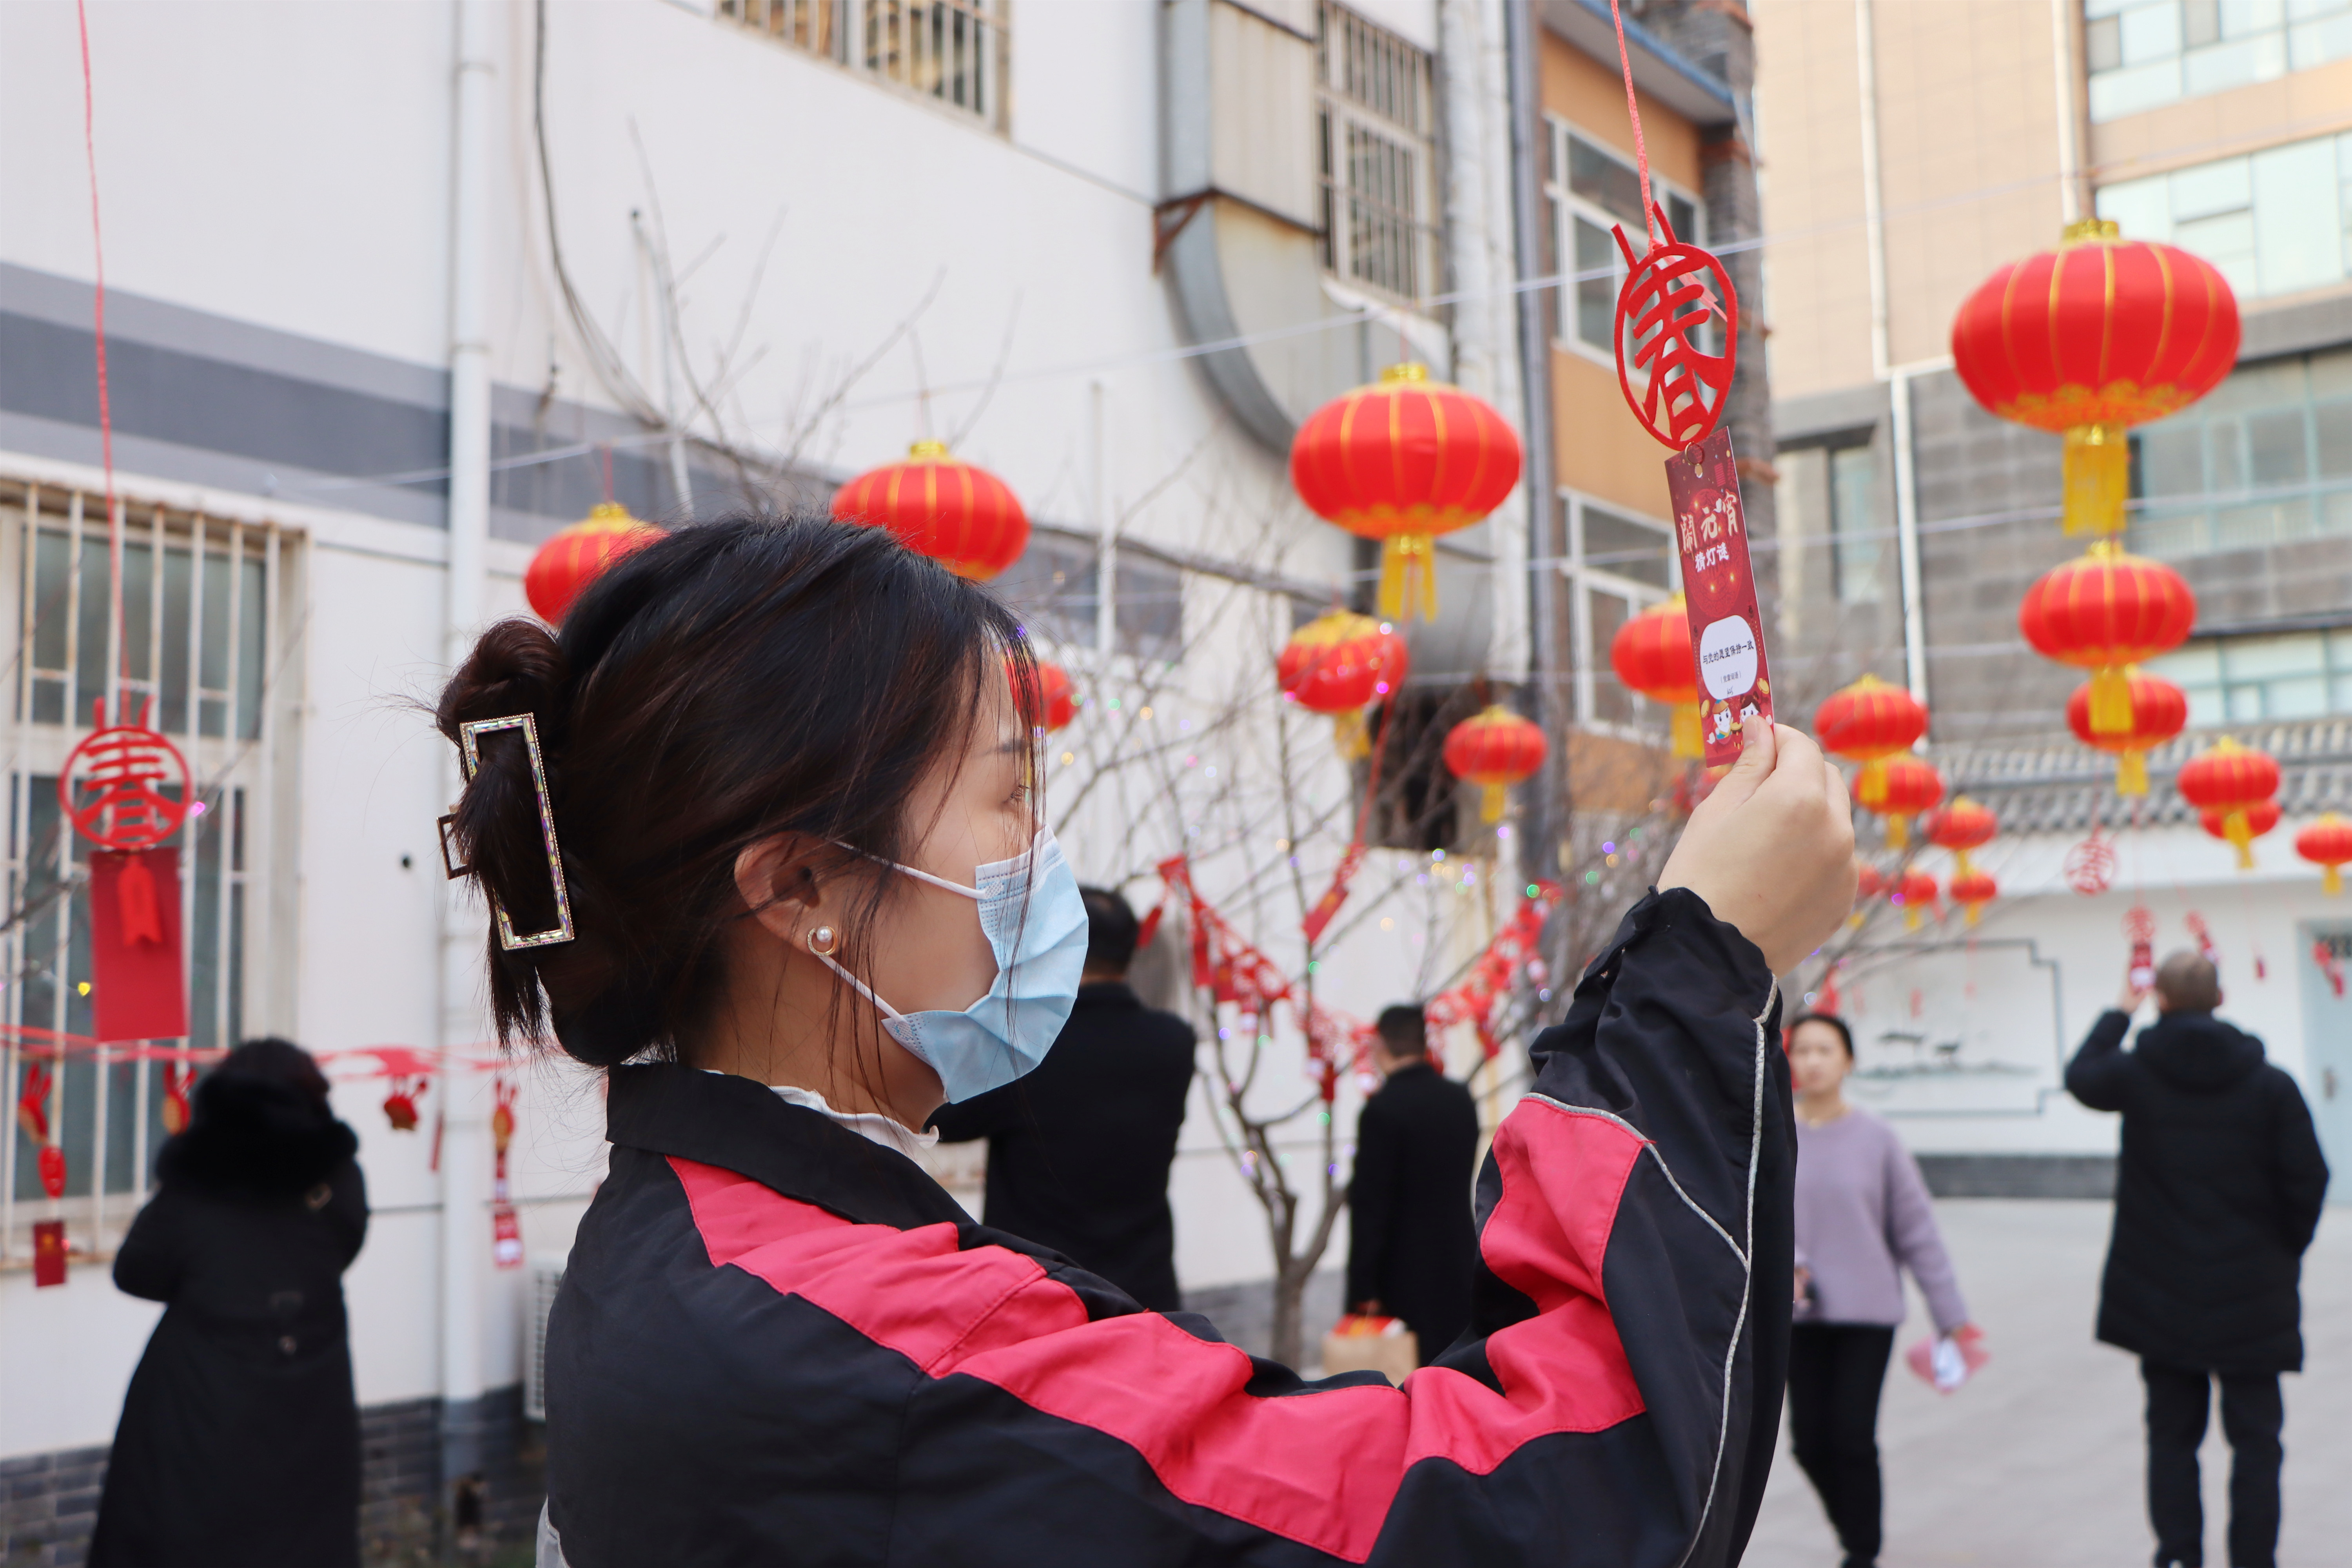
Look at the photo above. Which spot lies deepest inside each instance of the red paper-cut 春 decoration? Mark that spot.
(2091, 865)
(1669, 295)
(112, 786)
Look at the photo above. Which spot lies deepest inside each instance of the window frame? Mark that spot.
(843, 32)
(1343, 115)
(1565, 206)
(1584, 579)
(236, 852)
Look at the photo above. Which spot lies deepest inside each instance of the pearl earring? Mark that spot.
(819, 941)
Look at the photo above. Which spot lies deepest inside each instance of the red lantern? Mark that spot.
(1868, 722)
(2258, 818)
(2328, 844)
(1914, 894)
(2082, 341)
(1651, 655)
(1403, 460)
(2230, 783)
(1960, 827)
(2102, 613)
(1496, 750)
(1050, 703)
(2159, 712)
(963, 517)
(1907, 788)
(1336, 664)
(577, 556)
(1972, 890)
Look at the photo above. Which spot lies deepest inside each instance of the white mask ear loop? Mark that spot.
(974, 894)
(824, 954)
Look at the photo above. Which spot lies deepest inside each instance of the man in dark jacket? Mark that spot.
(2217, 1194)
(1079, 1151)
(1411, 1243)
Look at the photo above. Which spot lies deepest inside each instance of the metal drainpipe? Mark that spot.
(464, 1238)
(1549, 807)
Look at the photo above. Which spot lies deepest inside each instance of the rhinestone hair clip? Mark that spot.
(469, 735)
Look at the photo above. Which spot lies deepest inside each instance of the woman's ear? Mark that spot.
(777, 880)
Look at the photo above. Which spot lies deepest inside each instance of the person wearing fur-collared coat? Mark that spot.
(239, 1442)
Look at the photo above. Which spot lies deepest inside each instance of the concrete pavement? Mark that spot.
(2037, 1463)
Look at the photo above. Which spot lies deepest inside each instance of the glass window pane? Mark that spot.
(2317, 43)
(1610, 701)
(2142, 208)
(252, 634)
(2200, 22)
(2127, 91)
(1684, 217)
(2226, 185)
(2298, 240)
(2104, 44)
(2172, 458)
(2225, 237)
(2276, 453)
(2243, 18)
(2205, 707)
(1853, 524)
(2331, 373)
(2264, 658)
(171, 713)
(2226, 66)
(2304, 698)
(2225, 458)
(1596, 297)
(2152, 32)
(2244, 703)
(1625, 547)
(1602, 179)
(2197, 664)
(89, 632)
(52, 559)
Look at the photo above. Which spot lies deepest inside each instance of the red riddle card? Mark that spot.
(1726, 634)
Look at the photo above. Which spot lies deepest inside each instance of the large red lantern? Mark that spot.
(1972, 890)
(1049, 705)
(2230, 781)
(1914, 895)
(963, 517)
(2159, 712)
(1651, 655)
(1960, 827)
(1495, 750)
(1403, 460)
(2258, 818)
(576, 557)
(1907, 788)
(1338, 663)
(2328, 844)
(2104, 612)
(1868, 722)
(2083, 341)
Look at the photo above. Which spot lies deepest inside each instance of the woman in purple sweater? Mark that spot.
(1863, 1215)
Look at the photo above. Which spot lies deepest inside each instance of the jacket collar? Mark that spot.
(742, 1126)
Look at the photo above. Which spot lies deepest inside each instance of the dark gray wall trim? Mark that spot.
(1797, 420)
(2019, 1176)
(2299, 328)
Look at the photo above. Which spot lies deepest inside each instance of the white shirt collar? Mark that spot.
(868, 1124)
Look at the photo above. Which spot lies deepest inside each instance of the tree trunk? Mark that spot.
(1288, 1343)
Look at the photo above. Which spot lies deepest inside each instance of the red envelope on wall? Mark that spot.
(139, 978)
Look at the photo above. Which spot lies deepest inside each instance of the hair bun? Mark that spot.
(516, 667)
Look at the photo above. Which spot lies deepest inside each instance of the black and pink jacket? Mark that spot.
(779, 1343)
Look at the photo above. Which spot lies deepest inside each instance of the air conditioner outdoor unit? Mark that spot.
(546, 1280)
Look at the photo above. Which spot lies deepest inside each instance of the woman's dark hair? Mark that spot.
(1844, 1034)
(282, 1061)
(259, 1124)
(740, 678)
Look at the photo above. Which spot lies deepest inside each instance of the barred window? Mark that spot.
(954, 51)
(202, 653)
(1375, 124)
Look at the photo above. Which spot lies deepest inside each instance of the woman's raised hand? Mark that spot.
(1771, 849)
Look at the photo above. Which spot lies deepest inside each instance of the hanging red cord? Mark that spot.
(1634, 110)
(98, 309)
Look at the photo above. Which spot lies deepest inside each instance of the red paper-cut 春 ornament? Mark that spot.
(1668, 297)
(2090, 866)
(114, 785)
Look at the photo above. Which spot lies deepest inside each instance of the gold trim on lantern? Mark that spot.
(1689, 737)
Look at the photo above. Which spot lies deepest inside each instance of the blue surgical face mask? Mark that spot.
(1040, 952)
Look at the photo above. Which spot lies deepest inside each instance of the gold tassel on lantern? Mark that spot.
(1409, 577)
(2131, 773)
(1689, 739)
(2096, 479)
(1349, 734)
(1971, 912)
(1910, 917)
(1492, 799)
(2331, 880)
(2111, 700)
(2240, 835)
(1898, 830)
(1870, 788)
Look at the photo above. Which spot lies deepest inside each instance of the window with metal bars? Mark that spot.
(200, 653)
(953, 51)
(1376, 126)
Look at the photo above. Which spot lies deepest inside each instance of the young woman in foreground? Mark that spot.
(809, 898)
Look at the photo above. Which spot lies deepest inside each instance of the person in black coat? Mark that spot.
(2218, 1192)
(239, 1443)
(1411, 1242)
(1078, 1151)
